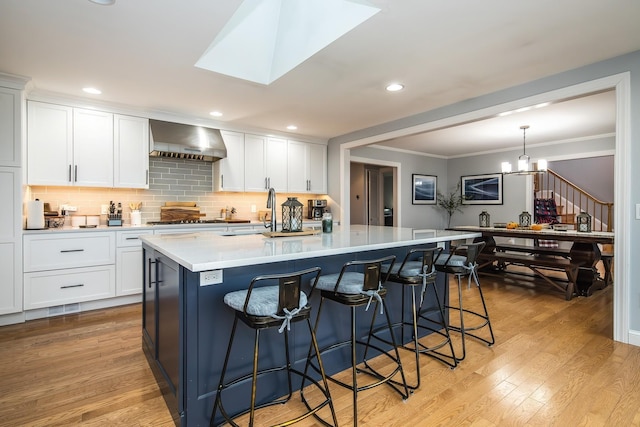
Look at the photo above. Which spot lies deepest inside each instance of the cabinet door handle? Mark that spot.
(69, 173)
(76, 174)
(269, 183)
(79, 285)
(64, 251)
(155, 270)
(265, 184)
(221, 181)
(131, 238)
(147, 178)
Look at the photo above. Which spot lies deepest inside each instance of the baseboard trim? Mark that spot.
(634, 338)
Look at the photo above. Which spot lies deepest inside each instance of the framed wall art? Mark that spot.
(482, 189)
(424, 189)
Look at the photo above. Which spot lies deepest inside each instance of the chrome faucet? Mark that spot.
(271, 204)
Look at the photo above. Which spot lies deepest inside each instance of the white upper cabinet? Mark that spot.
(307, 166)
(73, 146)
(92, 148)
(229, 173)
(49, 144)
(131, 151)
(255, 176)
(9, 127)
(265, 163)
(276, 164)
(317, 168)
(67, 146)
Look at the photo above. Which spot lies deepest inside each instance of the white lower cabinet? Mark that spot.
(129, 262)
(60, 287)
(67, 268)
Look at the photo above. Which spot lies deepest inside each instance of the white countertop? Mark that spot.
(204, 226)
(209, 251)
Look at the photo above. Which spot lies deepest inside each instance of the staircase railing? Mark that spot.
(575, 199)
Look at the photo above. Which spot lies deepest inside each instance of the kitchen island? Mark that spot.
(186, 325)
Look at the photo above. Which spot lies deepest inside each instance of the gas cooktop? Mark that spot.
(184, 221)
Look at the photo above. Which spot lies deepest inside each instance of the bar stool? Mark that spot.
(416, 269)
(359, 283)
(273, 306)
(465, 265)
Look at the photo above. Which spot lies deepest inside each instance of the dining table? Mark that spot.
(585, 248)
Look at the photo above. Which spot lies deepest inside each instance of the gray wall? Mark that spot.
(413, 216)
(594, 171)
(514, 186)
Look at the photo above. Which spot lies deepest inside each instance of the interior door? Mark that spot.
(374, 206)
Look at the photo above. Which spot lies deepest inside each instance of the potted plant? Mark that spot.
(451, 202)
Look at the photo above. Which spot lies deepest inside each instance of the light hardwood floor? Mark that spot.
(553, 364)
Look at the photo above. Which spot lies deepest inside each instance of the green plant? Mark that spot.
(451, 202)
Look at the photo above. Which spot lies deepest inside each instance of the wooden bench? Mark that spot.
(605, 256)
(536, 250)
(536, 264)
(607, 263)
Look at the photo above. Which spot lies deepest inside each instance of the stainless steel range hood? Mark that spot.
(180, 141)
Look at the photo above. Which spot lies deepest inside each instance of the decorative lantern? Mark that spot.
(485, 219)
(292, 215)
(584, 222)
(524, 219)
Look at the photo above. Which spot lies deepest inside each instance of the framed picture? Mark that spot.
(482, 189)
(424, 189)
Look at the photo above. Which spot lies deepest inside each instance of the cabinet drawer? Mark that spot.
(46, 252)
(47, 289)
(130, 238)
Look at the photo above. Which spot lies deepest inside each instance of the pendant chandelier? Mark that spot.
(524, 161)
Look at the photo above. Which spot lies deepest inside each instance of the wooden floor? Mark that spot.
(554, 364)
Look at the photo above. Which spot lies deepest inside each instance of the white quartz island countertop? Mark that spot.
(209, 250)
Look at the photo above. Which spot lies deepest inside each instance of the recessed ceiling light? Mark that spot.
(92, 90)
(292, 127)
(103, 2)
(216, 113)
(394, 87)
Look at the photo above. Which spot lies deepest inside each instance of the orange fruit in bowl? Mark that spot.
(536, 227)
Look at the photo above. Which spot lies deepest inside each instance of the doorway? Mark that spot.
(374, 198)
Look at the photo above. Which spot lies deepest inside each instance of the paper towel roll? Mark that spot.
(35, 214)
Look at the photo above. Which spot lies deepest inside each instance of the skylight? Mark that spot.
(265, 39)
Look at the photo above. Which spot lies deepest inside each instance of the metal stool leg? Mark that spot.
(464, 331)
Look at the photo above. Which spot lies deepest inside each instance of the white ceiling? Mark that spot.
(142, 53)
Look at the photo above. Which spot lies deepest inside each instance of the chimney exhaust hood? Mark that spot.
(180, 141)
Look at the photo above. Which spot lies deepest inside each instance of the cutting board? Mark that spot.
(304, 232)
(180, 213)
(181, 204)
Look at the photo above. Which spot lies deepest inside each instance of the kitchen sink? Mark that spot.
(239, 232)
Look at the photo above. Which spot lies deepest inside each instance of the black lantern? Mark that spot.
(485, 219)
(292, 215)
(584, 222)
(524, 219)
